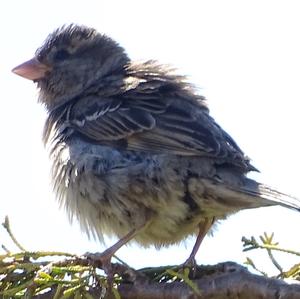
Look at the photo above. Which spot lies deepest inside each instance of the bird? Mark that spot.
(135, 152)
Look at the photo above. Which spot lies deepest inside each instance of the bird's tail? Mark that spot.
(250, 194)
(270, 195)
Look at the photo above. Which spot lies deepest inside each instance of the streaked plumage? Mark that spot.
(133, 144)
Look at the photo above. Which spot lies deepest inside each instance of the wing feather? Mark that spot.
(155, 125)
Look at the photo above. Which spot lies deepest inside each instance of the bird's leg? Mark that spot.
(104, 258)
(203, 229)
(109, 252)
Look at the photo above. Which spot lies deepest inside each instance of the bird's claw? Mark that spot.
(101, 259)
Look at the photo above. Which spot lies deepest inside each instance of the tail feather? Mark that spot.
(273, 196)
(250, 194)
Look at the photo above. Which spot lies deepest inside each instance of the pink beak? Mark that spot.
(32, 69)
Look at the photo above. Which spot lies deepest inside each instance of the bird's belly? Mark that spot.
(111, 193)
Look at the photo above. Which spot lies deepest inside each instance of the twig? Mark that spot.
(274, 262)
(250, 244)
(6, 225)
(250, 262)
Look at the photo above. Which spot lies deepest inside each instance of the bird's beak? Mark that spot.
(32, 69)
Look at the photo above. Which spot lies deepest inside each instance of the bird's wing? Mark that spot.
(168, 125)
(106, 119)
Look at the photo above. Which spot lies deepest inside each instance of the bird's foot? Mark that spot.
(101, 260)
(189, 263)
(189, 267)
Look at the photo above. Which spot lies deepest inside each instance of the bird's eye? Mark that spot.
(61, 55)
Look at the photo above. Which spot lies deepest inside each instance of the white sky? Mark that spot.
(244, 57)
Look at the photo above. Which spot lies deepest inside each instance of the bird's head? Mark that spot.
(71, 59)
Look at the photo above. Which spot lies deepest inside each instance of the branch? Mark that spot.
(229, 281)
(226, 280)
(33, 275)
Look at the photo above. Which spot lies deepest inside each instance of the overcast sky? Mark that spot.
(243, 56)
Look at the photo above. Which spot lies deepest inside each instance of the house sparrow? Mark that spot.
(135, 152)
